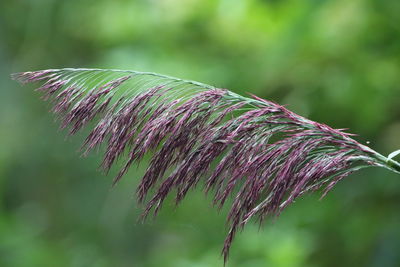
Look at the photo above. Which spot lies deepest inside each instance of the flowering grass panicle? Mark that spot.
(255, 151)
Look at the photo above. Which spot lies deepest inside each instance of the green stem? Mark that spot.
(390, 164)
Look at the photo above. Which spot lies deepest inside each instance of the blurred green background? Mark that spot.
(337, 62)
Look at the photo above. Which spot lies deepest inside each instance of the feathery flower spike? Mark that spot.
(265, 157)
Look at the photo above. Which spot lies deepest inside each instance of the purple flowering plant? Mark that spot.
(252, 150)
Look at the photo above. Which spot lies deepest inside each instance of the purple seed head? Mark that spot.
(264, 158)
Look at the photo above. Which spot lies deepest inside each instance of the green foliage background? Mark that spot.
(337, 62)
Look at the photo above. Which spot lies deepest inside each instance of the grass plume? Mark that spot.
(265, 157)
